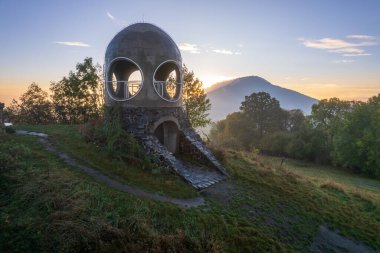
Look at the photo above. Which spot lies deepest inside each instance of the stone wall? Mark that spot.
(199, 166)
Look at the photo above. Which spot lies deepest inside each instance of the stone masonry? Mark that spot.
(143, 75)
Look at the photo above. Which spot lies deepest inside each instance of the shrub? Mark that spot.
(13, 155)
(94, 132)
(10, 130)
(117, 142)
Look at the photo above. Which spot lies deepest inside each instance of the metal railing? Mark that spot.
(161, 86)
(131, 88)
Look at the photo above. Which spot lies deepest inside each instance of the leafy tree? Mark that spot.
(195, 101)
(33, 107)
(232, 132)
(263, 113)
(357, 143)
(328, 114)
(295, 121)
(78, 97)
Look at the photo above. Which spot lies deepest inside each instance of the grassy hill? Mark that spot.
(49, 206)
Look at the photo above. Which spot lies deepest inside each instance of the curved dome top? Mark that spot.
(142, 39)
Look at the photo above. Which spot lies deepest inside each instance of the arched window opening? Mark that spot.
(167, 81)
(124, 79)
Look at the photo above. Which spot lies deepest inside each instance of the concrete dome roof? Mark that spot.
(142, 39)
(147, 49)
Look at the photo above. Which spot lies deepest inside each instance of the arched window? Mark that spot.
(124, 79)
(167, 81)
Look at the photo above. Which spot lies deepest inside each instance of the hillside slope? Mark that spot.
(48, 205)
(227, 96)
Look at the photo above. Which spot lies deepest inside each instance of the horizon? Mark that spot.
(320, 49)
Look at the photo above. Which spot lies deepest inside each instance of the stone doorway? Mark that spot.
(167, 133)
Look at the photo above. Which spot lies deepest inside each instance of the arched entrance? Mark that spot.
(167, 134)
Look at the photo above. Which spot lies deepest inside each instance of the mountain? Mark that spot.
(226, 97)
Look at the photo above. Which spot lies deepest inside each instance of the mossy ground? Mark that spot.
(48, 206)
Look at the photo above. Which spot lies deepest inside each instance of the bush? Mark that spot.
(13, 155)
(94, 132)
(10, 130)
(117, 142)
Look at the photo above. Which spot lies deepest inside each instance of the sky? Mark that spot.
(324, 48)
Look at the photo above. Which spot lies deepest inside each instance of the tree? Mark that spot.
(263, 112)
(328, 114)
(232, 132)
(78, 97)
(295, 121)
(33, 107)
(195, 101)
(357, 143)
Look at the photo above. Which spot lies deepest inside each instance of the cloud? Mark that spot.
(73, 43)
(115, 20)
(197, 49)
(188, 47)
(348, 50)
(343, 61)
(361, 36)
(222, 51)
(327, 43)
(351, 45)
(354, 55)
(110, 16)
(226, 52)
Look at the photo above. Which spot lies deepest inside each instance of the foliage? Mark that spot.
(258, 124)
(357, 143)
(53, 207)
(195, 101)
(109, 135)
(71, 140)
(339, 132)
(33, 107)
(120, 143)
(78, 97)
(233, 132)
(263, 113)
(10, 130)
(13, 155)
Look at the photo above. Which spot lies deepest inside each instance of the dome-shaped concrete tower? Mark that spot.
(143, 67)
(143, 75)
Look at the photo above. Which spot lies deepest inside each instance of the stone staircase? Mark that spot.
(198, 176)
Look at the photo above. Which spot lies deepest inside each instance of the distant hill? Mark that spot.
(226, 97)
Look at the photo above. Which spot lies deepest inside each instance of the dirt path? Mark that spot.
(327, 240)
(100, 177)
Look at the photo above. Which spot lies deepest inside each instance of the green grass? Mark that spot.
(47, 206)
(68, 139)
(322, 175)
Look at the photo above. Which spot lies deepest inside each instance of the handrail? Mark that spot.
(161, 85)
(133, 85)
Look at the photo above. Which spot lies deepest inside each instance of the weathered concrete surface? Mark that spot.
(148, 46)
(155, 118)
